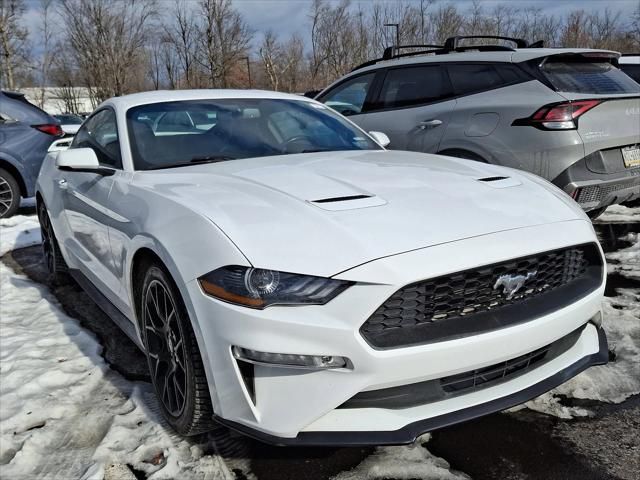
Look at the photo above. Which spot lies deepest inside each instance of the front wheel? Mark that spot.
(173, 356)
(56, 266)
(9, 194)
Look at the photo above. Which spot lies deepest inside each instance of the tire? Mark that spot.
(593, 214)
(58, 272)
(175, 363)
(9, 194)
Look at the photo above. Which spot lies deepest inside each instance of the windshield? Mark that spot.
(69, 119)
(171, 134)
(583, 75)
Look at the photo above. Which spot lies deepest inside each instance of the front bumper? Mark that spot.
(409, 433)
(288, 406)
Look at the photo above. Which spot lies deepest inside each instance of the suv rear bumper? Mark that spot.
(594, 190)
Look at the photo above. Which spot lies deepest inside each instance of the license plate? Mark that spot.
(631, 156)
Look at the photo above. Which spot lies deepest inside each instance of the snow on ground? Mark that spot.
(626, 261)
(18, 232)
(614, 382)
(404, 462)
(66, 414)
(620, 214)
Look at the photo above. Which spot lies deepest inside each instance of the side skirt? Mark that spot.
(107, 307)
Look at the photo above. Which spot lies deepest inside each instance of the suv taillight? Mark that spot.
(559, 116)
(50, 129)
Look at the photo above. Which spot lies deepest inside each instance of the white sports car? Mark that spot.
(289, 277)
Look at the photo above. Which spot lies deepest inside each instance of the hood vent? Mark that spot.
(341, 199)
(492, 179)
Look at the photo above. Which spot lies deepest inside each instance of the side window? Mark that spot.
(405, 87)
(348, 97)
(474, 78)
(101, 134)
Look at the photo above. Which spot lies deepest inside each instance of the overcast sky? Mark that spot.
(288, 16)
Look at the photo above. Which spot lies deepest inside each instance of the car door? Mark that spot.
(413, 107)
(85, 197)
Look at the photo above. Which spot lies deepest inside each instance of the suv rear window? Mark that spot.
(582, 75)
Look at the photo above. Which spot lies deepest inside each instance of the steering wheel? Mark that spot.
(297, 139)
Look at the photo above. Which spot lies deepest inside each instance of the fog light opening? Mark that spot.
(309, 362)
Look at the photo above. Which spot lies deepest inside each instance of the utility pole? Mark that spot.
(397, 27)
(248, 71)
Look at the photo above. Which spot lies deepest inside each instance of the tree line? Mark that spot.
(114, 47)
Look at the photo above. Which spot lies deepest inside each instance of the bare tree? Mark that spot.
(225, 40)
(13, 42)
(107, 39)
(46, 57)
(182, 33)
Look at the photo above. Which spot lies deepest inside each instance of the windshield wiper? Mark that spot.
(196, 161)
(314, 150)
(211, 159)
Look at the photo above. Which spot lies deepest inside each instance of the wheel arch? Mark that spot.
(463, 153)
(13, 170)
(152, 254)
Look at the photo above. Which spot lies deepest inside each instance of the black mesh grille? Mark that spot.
(480, 377)
(465, 295)
(596, 193)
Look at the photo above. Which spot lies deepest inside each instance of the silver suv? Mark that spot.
(568, 115)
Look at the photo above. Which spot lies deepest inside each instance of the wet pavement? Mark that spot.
(518, 445)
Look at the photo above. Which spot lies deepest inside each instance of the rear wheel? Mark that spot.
(9, 194)
(56, 266)
(175, 364)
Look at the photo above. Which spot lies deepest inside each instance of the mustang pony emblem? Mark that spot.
(512, 283)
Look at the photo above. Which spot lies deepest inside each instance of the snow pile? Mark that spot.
(620, 214)
(18, 232)
(614, 382)
(626, 262)
(408, 462)
(65, 414)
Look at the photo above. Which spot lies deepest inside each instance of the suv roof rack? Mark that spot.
(452, 44)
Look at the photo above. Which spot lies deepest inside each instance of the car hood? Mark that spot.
(323, 213)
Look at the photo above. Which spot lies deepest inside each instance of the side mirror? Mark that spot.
(381, 138)
(81, 160)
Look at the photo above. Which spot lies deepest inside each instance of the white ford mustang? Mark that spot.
(289, 277)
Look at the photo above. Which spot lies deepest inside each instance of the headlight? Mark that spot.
(259, 288)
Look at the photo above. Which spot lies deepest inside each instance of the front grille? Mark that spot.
(422, 393)
(473, 301)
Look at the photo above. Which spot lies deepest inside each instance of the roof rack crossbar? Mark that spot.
(390, 52)
(452, 43)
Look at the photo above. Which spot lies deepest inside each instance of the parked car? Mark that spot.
(26, 132)
(290, 278)
(630, 64)
(568, 115)
(70, 123)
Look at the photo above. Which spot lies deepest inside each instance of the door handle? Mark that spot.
(62, 183)
(429, 124)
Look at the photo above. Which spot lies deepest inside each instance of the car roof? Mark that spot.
(512, 56)
(157, 96)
